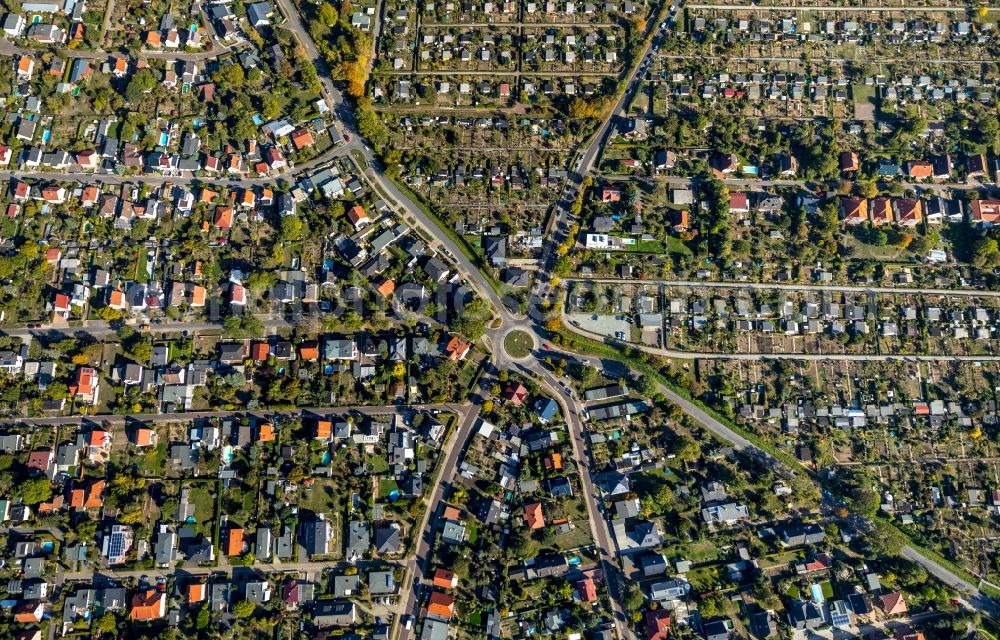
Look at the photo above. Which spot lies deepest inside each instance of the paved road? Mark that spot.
(632, 83)
(159, 418)
(599, 531)
(518, 25)
(501, 72)
(8, 48)
(827, 60)
(100, 329)
(293, 23)
(838, 8)
(971, 594)
(786, 182)
(754, 356)
(159, 179)
(419, 564)
(769, 286)
(204, 572)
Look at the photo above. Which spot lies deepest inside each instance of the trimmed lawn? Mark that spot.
(387, 486)
(578, 537)
(154, 461)
(376, 464)
(518, 344)
(863, 94)
(321, 497)
(677, 246)
(202, 496)
(141, 275)
(827, 589)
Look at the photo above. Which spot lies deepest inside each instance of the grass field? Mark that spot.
(677, 246)
(518, 344)
(154, 461)
(376, 464)
(321, 497)
(141, 274)
(202, 497)
(387, 486)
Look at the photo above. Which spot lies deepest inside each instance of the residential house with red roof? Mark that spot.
(515, 393)
(441, 605)
(358, 216)
(586, 590)
(985, 212)
(148, 605)
(881, 211)
(657, 624)
(909, 211)
(533, 515)
(301, 138)
(445, 579)
(456, 349)
(853, 211)
(86, 385)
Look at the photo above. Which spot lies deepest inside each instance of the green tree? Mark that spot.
(34, 491)
(244, 127)
(203, 619)
(712, 605)
(291, 229)
(142, 82)
(242, 327)
(472, 322)
(229, 77)
(107, 623)
(141, 350)
(269, 106)
(634, 599)
(326, 14)
(244, 609)
(985, 252)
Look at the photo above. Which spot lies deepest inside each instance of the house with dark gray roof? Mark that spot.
(387, 538)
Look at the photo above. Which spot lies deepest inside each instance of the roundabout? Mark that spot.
(518, 344)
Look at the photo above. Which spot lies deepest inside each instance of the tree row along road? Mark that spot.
(500, 72)
(767, 286)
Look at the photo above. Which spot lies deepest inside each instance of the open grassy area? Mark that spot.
(518, 344)
(202, 496)
(578, 537)
(359, 159)
(863, 93)
(153, 462)
(322, 497)
(376, 464)
(141, 274)
(387, 486)
(676, 245)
